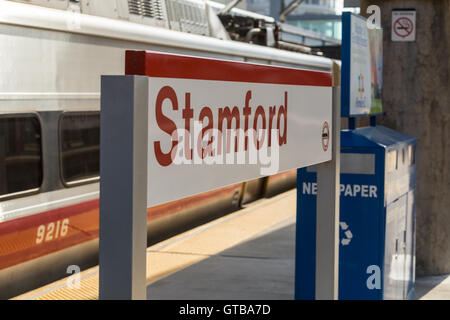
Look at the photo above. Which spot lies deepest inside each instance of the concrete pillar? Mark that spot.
(416, 99)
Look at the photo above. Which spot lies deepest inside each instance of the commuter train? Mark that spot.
(52, 55)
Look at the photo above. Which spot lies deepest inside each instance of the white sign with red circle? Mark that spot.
(403, 25)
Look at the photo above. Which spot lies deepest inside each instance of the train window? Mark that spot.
(20, 155)
(80, 147)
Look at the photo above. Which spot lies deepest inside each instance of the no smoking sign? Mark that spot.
(403, 25)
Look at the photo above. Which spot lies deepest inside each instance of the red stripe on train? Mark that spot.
(39, 250)
(46, 216)
(18, 237)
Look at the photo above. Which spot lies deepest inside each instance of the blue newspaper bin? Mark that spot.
(376, 252)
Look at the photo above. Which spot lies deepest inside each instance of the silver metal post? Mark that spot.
(327, 223)
(123, 187)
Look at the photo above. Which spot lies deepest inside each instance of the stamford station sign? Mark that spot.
(206, 116)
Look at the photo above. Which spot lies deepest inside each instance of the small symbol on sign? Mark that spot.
(403, 27)
(348, 235)
(325, 136)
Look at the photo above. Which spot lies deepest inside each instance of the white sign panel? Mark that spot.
(295, 114)
(213, 123)
(403, 25)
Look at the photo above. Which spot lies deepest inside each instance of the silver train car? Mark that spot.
(52, 53)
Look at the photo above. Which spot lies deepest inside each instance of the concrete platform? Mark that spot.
(260, 268)
(433, 288)
(212, 242)
(245, 255)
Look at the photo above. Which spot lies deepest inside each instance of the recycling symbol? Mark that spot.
(347, 233)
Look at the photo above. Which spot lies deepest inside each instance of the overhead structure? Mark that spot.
(229, 6)
(291, 7)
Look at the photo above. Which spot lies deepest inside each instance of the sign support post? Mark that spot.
(123, 188)
(327, 219)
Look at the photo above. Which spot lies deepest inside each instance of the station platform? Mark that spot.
(245, 255)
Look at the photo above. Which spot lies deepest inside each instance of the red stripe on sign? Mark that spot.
(162, 65)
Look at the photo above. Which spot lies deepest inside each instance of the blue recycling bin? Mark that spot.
(376, 250)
